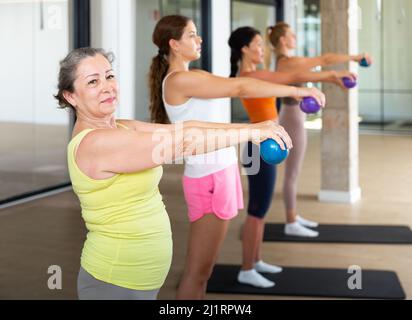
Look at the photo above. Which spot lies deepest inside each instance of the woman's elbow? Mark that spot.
(242, 89)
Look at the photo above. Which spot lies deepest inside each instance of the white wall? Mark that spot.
(35, 41)
(17, 87)
(113, 29)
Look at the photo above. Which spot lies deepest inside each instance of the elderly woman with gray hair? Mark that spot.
(115, 174)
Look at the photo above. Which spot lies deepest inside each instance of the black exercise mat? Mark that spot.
(308, 282)
(345, 234)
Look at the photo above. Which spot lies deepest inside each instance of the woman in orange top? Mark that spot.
(248, 48)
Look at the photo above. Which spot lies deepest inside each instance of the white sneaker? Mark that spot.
(253, 278)
(296, 229)
(263, 267)
(306, 223)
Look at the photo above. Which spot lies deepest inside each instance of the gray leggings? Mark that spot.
(293, 120)
(89, 288)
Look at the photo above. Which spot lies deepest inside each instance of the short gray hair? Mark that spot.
(68, 68)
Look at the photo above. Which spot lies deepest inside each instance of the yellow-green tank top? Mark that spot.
(129, 241)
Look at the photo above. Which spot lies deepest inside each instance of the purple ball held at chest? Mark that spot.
(309, 105)
(349, 83)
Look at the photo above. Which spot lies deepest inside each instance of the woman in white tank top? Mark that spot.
(211, 182)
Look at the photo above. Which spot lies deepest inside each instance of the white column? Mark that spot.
(113, 29)
(340, 134)
(220, 48)
(290, 7)
(292, 12)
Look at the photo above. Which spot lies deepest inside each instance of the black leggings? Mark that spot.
(261, 184)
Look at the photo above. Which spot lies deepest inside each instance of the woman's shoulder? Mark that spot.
(284, 59)
(199, 71)
(184, 75)
(252, 74)
(126, 124)
(89, 138)
(88, 149)
(288, 63)
(294, 59)
(78, 135)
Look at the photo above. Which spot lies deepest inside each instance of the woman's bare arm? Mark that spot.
(301, 77)
(327, 59)
(127, 151)
(188, 84)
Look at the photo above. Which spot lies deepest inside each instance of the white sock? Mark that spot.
(263, 267)
(296, 229)
(253, 278)
(306, 223)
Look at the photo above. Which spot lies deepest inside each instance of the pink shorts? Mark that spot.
(219, 193)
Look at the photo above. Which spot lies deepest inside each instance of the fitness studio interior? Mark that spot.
(350, 236)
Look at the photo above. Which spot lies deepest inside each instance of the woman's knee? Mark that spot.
(201, 273)
(258, 213)
(291, 178)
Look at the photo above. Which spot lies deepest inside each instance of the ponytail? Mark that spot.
(241, 37)
(167, 28)
(235, 57)
(268, 47)
(158, 70)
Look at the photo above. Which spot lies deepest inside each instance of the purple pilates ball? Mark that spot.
(309, 105)
(349, 83)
